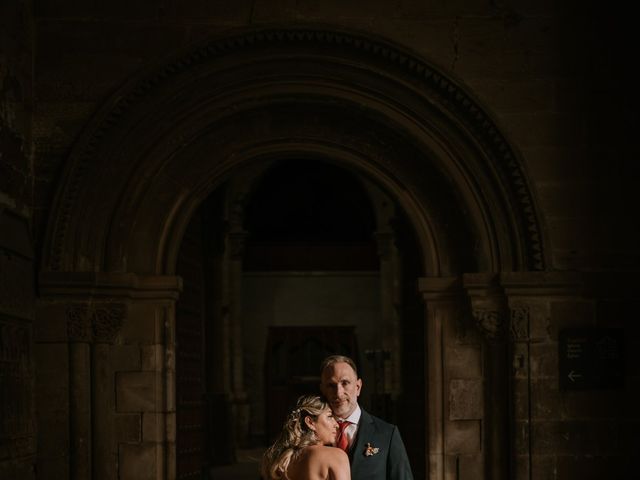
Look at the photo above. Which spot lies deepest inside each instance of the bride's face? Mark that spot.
(326, 427)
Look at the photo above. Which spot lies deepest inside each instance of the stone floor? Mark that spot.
(247, 467)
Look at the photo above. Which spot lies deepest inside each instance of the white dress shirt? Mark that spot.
(351, 430)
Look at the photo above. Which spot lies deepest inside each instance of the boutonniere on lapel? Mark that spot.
(370, 450)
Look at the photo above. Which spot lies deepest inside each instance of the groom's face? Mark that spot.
(341, 388)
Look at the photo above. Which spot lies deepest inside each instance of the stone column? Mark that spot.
(390, 357)
(489, 310)
(442, 296)
(220, 435)
(121, 380)
(106, 321)
(237, 238)
(533, 355)
(390, 292)
(80, 434)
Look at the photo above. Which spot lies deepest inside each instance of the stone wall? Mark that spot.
(17, 283)
(17, 299)
(540, 69)
(556, 81)
(104, 357)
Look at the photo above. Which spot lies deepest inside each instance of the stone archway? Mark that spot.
(169, 137)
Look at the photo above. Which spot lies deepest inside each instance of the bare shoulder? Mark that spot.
(338, 454)
(328, 455)
(322, 451)
(335, 461)
(320, 462)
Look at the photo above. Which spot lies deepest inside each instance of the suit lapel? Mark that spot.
(365, 431)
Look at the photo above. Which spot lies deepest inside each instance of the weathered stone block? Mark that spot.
(544, 360)
(545, 129)
(170, 451)
(470, 466)
(125, 357)
(465, 399)
(521, 468)
(52, 380)
(521, 399)
(571, 314)
(569, 232)
(464, 361)
(543, 467)
(522, 434)
(171, 392)
(23, 469)
(136, 392)
(463, 437)
(154, 426)
(51, 323)
(153, 357)
(576, 437)
(128, 428)
(53, 434)
(596, 404)
(138, 461)
(540, 323)
(520, 361)
(557, 163)
(516, 95)
(52, 468)
(227, 12)
(17, 295)
(144, 324)
(546, 400)
(567, 199)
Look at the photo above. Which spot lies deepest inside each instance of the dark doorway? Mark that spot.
(292, 365)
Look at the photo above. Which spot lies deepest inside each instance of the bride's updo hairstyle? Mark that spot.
(295, 435)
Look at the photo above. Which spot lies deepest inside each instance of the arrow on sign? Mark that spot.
(573, 375)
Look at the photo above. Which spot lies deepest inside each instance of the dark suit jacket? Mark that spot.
(389, 463)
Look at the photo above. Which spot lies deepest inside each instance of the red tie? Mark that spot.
(343, 439)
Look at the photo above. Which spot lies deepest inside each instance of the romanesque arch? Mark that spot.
(170, 136)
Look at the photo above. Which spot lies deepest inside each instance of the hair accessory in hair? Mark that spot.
(295, 413)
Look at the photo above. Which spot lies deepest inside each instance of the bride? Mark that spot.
(305, 448)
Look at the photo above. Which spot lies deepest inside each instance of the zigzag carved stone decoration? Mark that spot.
(450, 95)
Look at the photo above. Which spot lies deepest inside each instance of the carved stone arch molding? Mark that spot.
(169, 137)
(162, 144)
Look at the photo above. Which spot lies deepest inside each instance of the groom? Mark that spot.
(375, 449)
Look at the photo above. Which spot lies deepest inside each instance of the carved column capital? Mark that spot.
(78, 325)
(519, 328)
(106, 321)
(99, 323)
(491, 322)
(488, 304)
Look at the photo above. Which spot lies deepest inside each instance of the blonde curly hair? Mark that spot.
(295, 435)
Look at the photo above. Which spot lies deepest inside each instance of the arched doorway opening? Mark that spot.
(180, 132)
(315, 260)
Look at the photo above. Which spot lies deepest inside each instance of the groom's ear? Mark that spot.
(359, 386)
